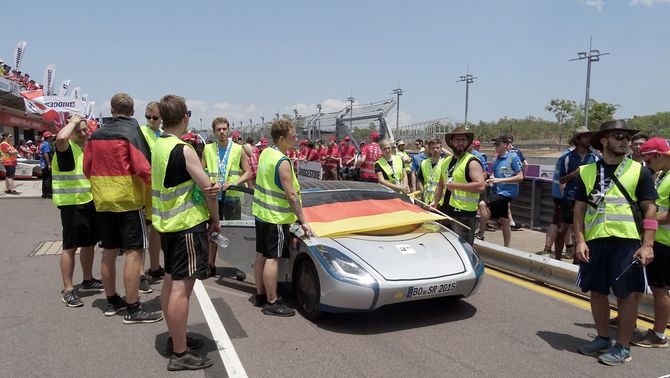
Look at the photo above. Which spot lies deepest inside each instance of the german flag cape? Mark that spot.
(351, 212)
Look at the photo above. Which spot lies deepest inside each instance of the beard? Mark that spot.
(458, 151)
(615, 152)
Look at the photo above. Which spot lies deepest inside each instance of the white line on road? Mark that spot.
(231, 360)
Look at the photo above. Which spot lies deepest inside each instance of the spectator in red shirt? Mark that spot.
(32, 147)
(347, 152)
(370, 153)
(304, 150)
(331, 160)
(9, 154)
(312, 154)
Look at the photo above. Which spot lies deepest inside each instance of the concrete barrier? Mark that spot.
(544, 269)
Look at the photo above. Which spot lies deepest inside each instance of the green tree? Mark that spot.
(599, 112)
(564, 111)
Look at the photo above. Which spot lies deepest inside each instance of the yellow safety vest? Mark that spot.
(431, 177)
(233, 170)
(270, 203)
(613, 216)
(460, 199)
(71, 187)
(662, 205)
(173, 209)
(393, 173)
(404, 155)
(150, 135)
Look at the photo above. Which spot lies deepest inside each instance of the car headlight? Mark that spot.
(475, 260)
(342, 267)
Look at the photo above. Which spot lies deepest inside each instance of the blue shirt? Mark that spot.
(567, 164)
(518, 152)
(45, 147)
(556, 180)
(416, 161)
(507, 166)
(483, 159)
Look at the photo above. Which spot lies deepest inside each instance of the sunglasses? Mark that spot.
(148, 117)
(620, 136)
(188, 113)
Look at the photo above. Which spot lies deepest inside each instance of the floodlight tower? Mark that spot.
(318, 106)
(468, 79)
(351, 113)
(592, 56)
(397, 92)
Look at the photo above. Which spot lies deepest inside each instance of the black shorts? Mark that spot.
(556, 218)
(499, 206)
(230, 209)
(567, 210)
(272, 239)
(609, 257)
(126, 230)
(10, 171)
(658, 272)
(185, 252)
(79, 225)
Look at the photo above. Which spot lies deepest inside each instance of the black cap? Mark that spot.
(502, 139)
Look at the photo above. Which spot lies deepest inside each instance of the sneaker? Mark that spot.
(569, 252)
(155, 274)
(277, 309)
(649, 340)
(91, 285)
(142, 316)
(616, 356)
(14, 192)
(545, 251)
(260, 300)
(116, 306)
(598, 345)
(191, 344)
(614, 322)
(211, 271)
(188, 361)
(516, 227)
(144, 285)
(71, 299)
(479, 235)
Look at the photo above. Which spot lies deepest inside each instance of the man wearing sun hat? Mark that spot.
(608, 231)
(656, 153)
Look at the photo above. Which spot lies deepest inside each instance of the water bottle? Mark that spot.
(220, 240)
(297, 230)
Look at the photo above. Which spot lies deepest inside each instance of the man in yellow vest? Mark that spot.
(608, 230)
(184, 219)
(276, 206)
(225, 163)
(429, 171)
(72, 195)
(463, 178)
(656, 153)
(151, 131)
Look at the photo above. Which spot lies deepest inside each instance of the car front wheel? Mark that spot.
(307, 289)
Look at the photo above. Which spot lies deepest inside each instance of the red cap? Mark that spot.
(188, 137)
(47, 134)
(303, 143)
(264, 142)
(331, 139)
(235, 134)
(655, 145)
(347, 138)
(374, 135)
(476, 143)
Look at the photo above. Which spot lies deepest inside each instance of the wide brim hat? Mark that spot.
(608, 127)
(581, 130)
(458, 131)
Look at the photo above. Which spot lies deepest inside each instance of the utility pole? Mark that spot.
(397, 92)
(351, 113)
(318, 106)
(468, 79)
(592, 56)
(276, 116)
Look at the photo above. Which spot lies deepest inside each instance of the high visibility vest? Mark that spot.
(270, 204)
(70, 187)
(613, 216)
(407, 166)
(368, 166)
(431, 176)
(173, 209)
(150, 135)
(460, 199)
(394, 173)
(233, 170)
(662, 205)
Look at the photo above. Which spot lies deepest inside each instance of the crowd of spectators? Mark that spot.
(22, 79)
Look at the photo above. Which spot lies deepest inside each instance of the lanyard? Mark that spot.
(659, 179)
(223, 161)
(450, 172)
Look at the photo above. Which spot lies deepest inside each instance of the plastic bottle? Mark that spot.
(220, 240)
(297, 230)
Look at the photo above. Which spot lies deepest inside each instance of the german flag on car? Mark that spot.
(352, 212)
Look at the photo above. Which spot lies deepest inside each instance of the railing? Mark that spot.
(534, 206)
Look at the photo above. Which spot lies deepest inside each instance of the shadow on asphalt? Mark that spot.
(562, 341)
(153, 304)
(399, 317)
(209, 349)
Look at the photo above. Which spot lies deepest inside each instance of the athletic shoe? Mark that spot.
(260, 300)
(144, 285)
(277, 309)
(188, 361)
(614, 322)
(211, 271)
(191, 344)
(91, 285)
(15, 192)
(142, 316)
(569, 252)
(479, 235)
(71, 299)
(616, 356)
(545, 251)
(516, 227)
(155, 274)
(649, 340)
(115, 306)
(598, 345)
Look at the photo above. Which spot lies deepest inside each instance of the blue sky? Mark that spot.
(252, 58)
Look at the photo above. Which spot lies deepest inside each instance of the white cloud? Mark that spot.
(598, 4)
(648, 3)
(405, 119)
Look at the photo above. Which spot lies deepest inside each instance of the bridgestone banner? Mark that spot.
(49, 78)
(310, 169)
(63, 88)
(18, 54)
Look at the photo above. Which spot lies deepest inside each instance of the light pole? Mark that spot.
(397, 92)
(468, 79)
(351, 113)
(592, 56)
(276, 116)
(200, 124)
(318, 106)
(262, 125)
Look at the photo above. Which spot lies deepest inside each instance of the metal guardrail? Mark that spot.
(545, 270)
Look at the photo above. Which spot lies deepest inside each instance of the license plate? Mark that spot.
(421, 291)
